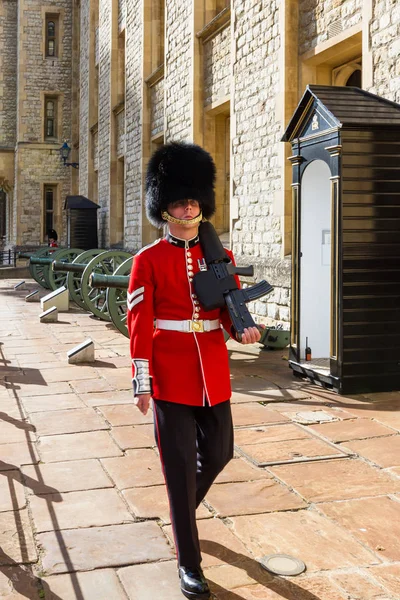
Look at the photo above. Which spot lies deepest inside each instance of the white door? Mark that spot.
(315, 258)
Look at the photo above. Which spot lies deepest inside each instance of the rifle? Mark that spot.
(216, 286)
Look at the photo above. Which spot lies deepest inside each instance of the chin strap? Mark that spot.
(167, 217)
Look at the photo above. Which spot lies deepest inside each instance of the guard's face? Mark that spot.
(184, 209)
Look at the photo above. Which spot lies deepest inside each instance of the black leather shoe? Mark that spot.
(193, 584)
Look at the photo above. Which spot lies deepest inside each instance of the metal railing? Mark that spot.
(8, 258)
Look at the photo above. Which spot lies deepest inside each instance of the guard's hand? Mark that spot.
(142, 401)
(250, 335)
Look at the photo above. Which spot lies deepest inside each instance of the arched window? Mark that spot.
(51, 36)
(349, 75)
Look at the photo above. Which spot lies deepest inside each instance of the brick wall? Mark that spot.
(157, 108)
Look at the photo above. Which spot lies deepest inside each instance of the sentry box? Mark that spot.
(345, 307)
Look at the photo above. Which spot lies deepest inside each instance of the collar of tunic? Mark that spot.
(182, 243)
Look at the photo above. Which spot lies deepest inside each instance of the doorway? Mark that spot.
(315, 262)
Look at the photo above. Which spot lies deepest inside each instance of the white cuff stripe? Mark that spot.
(134, 302)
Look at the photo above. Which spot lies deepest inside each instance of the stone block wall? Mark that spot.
(256, 235)
(120, 117)
(121, 15)
(133, 125)
(385, 45)
(38, 166)
(178, 65)
(157, 108)
(104, 129)
(319, 20)
(217, 67)
(84, 133)
(8, 69)
(38, 74)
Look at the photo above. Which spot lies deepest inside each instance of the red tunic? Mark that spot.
(186, 368)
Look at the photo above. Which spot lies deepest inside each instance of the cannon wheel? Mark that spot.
(38, 271)
(55, 280)
(73, 281)
(106, 263)
(116, 299)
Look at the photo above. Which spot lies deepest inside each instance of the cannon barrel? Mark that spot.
(24, 255)
(97, 280)
(67, 267)
(41, 261)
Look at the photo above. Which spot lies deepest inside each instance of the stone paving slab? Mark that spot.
(67, 421)
(251, 497)
(15, 430)
(148, 582)
(310, 589)
(102, 584)
(71, 476)
(102, 547)
(336, 480)
(106, 399)
(238, 469)
(305, 534)
(120, 414)
(91, 386)
(354, 429)
(77, 446)
(387, 414)
(19, 453)
(373, 521)
(360, 586)
(384, 452)
(388, 576)
(69, 373)
(270, 433)
(139, 436)
(152, 502)
(138, 468)
(275, 452)
(218, 543)
(19, 583)
(16, 538)
(52, 402)
(254, 414)
(27, 390)
(12, 496)
(89, 508)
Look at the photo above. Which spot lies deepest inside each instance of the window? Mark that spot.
(51, 36)
(157, 33)
(50, 117)
(49, 203)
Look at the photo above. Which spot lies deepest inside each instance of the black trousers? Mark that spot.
(195, 444)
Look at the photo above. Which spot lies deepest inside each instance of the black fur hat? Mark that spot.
(179, 171)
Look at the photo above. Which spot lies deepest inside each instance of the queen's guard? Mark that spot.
(179, 356)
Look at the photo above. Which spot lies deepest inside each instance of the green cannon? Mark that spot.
(116, 294)
(79, 271)
(40, 266)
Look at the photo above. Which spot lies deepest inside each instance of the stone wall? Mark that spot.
(385, 44)
(217, 67)
(157, 108)
(104, 127)
(38, 166)
(95, 150)
(256, 235)
(121, 15)
(84, 100)
(178, 65)
(319, 20)
(8, 70)
(40, 75)
(120, 117)
(133, 121)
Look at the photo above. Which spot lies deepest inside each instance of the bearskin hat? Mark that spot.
(179, 171)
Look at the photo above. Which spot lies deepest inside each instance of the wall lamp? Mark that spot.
(64, 153)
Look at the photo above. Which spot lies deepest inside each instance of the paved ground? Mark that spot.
(83, 510)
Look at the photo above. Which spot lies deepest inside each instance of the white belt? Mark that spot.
(188, 326)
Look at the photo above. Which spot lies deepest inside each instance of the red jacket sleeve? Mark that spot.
(140, 320)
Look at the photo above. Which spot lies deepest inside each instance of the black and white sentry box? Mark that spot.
(346, 239)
